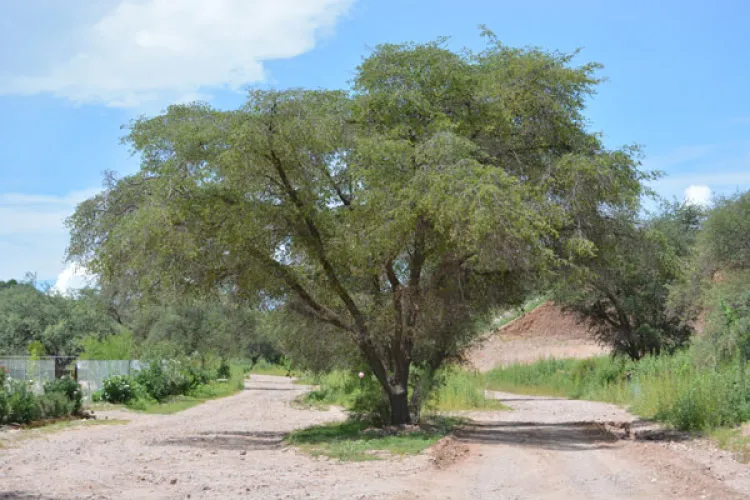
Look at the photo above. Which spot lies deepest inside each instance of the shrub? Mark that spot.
(54, 405)
(224, 371)
(68, 388)
(119, 389)
(22, 404)
(162, 379)
(200, 376)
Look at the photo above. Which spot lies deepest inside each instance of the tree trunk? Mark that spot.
(399, 407)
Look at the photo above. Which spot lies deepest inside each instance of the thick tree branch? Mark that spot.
(286, 274)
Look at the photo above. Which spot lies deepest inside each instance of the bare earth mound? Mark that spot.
(547, 331)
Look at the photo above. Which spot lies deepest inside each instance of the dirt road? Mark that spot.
(233, 448)
(560, 449)
(228, 448)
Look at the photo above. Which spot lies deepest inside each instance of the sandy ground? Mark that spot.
(226, 448)
(545, 448)
(559, 449)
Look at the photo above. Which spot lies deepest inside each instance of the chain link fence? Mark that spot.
(89, 373)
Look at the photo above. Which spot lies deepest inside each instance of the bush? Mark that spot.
(224, 371)
(164, 379)
(68, 388)
(22, 404)
(55, 405)
(119, 389)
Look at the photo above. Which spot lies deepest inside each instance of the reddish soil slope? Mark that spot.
(547, 331)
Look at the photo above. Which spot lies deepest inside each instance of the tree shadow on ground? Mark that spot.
(506, 400)
(22, 495)
(567, 436)
(564, 436)
(230, 440)
(298, 388)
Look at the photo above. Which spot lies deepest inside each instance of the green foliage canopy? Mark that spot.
(441, 185)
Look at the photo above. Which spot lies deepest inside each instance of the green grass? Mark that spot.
(733, 440)
(213, 390)
(677, 390)
(460, 390)
(463, 390)
(502, 318)
(599, 378)
(354, 441)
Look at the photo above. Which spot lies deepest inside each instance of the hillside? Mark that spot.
(546, 331)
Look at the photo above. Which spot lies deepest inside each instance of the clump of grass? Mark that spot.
(733, 440)
(457, 390)
(355, 440)
(462, 390)
(678, 390)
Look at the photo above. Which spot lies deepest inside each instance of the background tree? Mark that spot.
(621, 290)
(56, 322)
(716, 279)
(439, 188)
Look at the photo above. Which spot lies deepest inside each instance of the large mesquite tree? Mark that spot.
(439, 186)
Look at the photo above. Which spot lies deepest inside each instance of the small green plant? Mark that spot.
(119, 389)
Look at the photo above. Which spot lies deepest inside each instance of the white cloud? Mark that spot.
(33, 237)
(72, 278)
(698, 195)
(144, 51)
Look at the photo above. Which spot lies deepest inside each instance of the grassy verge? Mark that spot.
(676, 390)
(354, 441)
(463, 390)
(460, 390)
(734, 440)
(212, 390)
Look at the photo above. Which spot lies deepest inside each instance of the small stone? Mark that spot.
(243, 452)
(173, 481)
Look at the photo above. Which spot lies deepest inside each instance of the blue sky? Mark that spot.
(677, 81)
